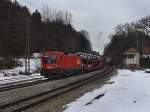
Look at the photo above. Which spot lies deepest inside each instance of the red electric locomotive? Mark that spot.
(55, 64)
(58, 64)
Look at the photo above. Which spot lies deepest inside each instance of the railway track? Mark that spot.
(17, 79)
(24, 104)
(22, 83)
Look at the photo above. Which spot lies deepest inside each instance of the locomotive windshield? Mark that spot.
(50, 59)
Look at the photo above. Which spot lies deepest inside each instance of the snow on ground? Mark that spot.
(11, 75)
(128, 91)
(34, 65)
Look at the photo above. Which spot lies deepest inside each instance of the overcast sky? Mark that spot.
(97, 15)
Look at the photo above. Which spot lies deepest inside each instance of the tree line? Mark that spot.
(135, 34)
(48, 30)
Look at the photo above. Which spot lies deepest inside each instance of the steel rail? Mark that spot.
(14, 85)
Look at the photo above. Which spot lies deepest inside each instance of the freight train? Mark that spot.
(57, 64)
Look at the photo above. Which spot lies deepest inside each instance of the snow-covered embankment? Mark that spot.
(126, 92)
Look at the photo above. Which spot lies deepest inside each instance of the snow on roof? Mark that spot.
(132, 50)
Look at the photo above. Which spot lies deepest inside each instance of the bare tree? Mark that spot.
(67, 17)
(143, 25)
(47, 13)
(56, 15)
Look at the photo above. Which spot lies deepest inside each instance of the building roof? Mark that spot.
(146, 50)
(132, 50)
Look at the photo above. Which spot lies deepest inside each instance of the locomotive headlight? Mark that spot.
(78, 62)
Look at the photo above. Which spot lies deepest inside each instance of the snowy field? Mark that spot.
(13, 75)
(126, 92)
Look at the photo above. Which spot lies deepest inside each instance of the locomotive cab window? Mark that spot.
(50, 59)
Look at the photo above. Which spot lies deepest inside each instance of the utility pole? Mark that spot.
(138, 46)
(27, 49)
(137, 43)
(8, 14)
(99, 38)
(28, 39)
(100, 34)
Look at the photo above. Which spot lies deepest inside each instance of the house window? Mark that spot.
(131, 56)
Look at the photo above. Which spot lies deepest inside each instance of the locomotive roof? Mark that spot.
(53, 52)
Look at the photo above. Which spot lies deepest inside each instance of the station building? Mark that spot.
(131, 58)
(135, 59)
